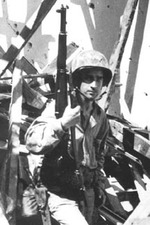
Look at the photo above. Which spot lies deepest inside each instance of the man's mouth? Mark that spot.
(91, 92)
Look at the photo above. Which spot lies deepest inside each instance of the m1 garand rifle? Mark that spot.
(39, 189)
(61, 77)
(63, 81)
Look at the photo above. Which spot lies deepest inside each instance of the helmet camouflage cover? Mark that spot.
(88, 59)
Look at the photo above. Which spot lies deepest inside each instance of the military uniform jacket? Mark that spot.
(46, 133)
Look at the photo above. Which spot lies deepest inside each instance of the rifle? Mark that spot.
(61, 103)
(61, 91)
(61, 78)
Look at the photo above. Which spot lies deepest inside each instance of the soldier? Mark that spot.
(90, 72)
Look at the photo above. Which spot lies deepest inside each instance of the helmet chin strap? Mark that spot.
(100, 96)
(78, 91)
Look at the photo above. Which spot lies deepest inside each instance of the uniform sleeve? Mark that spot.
(43, 135)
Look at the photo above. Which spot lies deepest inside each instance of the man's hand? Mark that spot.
(71, 117)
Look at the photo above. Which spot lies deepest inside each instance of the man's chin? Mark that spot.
(90, 98)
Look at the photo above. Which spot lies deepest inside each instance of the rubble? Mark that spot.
(126, 166)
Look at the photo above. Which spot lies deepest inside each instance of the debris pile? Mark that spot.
(127, 164)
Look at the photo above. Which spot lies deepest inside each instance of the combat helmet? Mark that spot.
(87, 59)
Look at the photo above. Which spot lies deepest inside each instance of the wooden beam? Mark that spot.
(14, 144)
(25, 35)
(136, 142)
(50, 69)
(117, 127)
(33, 97)
(134, 54)
(138, 180)
(31, 76)
(22, 64)
(113, 200)
(118, 50)
(141, 212)
(130, 137)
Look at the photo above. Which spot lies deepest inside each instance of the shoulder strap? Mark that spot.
(42, 195)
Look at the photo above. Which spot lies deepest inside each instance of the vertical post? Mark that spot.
(116, 57)
(14, 143)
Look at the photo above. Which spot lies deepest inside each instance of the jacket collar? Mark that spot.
(95, 116)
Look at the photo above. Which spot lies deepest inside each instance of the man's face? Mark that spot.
(91, 83)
